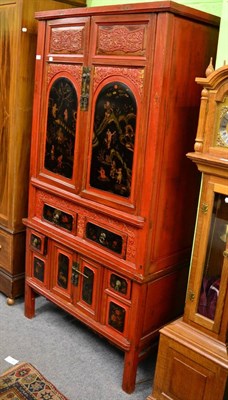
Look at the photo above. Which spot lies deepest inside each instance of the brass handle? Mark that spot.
(79, 272)
(0, 246)
(225, 253)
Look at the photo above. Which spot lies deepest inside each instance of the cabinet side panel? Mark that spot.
(176, 196)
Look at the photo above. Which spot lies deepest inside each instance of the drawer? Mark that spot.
(56, 212)
(110, 239)
(37, 242)
(5, 250)
(118, 284)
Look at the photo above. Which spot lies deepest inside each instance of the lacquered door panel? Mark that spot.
(64, 54)
(119, 73)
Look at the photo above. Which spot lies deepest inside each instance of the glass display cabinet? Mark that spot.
(195, 347)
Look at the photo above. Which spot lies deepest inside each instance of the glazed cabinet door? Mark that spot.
(61, 54)
(119, 56)
(207, 295)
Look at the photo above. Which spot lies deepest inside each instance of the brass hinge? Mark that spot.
(84, 100)
(191, 295)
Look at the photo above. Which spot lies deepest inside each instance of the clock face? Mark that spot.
(223, 128)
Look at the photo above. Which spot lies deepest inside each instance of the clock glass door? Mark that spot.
(216, 260)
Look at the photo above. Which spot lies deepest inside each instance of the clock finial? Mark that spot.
(210, 68)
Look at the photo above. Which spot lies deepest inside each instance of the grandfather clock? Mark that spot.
(192, 360)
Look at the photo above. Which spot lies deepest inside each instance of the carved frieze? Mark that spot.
(73, 70)
(121, 39)
(67, 40)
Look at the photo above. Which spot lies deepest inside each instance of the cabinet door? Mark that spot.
(88, 277)
(119, 58)
(61, 271)
(207, 293)
(57, 96)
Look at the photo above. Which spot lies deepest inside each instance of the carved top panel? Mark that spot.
(126, 40)
(67, 40)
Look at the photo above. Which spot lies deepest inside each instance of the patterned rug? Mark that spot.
(24, 382)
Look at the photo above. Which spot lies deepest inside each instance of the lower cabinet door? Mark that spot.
(89, 292)
(76, 279)
(62, 260)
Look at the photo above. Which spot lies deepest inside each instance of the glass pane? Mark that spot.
(61, 125)
(39, 269)
(87, 286)
(63, 268)
(217, 243)
(114, 139)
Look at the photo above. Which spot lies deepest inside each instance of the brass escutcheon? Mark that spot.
(204, 208)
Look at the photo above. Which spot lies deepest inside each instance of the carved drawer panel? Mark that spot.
(109, 239)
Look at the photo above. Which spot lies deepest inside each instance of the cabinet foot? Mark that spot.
(10, 301)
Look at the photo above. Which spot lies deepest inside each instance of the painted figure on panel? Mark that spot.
(61, 124)
(113, 139)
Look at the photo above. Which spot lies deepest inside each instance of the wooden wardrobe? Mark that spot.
(18, 38)
(112, 197)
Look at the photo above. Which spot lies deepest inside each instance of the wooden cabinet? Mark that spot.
(194, 349)
(115, 111)
(18, 36)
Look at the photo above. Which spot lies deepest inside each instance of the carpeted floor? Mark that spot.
(79, 363)
(24, 382)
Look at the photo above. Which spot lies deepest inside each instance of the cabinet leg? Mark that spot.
(130, 370)
(29, 302)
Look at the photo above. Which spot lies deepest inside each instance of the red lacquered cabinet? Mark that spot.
(113, 198)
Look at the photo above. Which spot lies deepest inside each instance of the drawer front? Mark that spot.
(115, 283)
(109, 239)
(5, 250)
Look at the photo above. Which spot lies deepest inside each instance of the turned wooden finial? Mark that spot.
(210, 68)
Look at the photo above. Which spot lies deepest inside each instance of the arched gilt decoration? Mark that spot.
(135, 75)
(113, 139)
(71, 69)
(61, 125)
